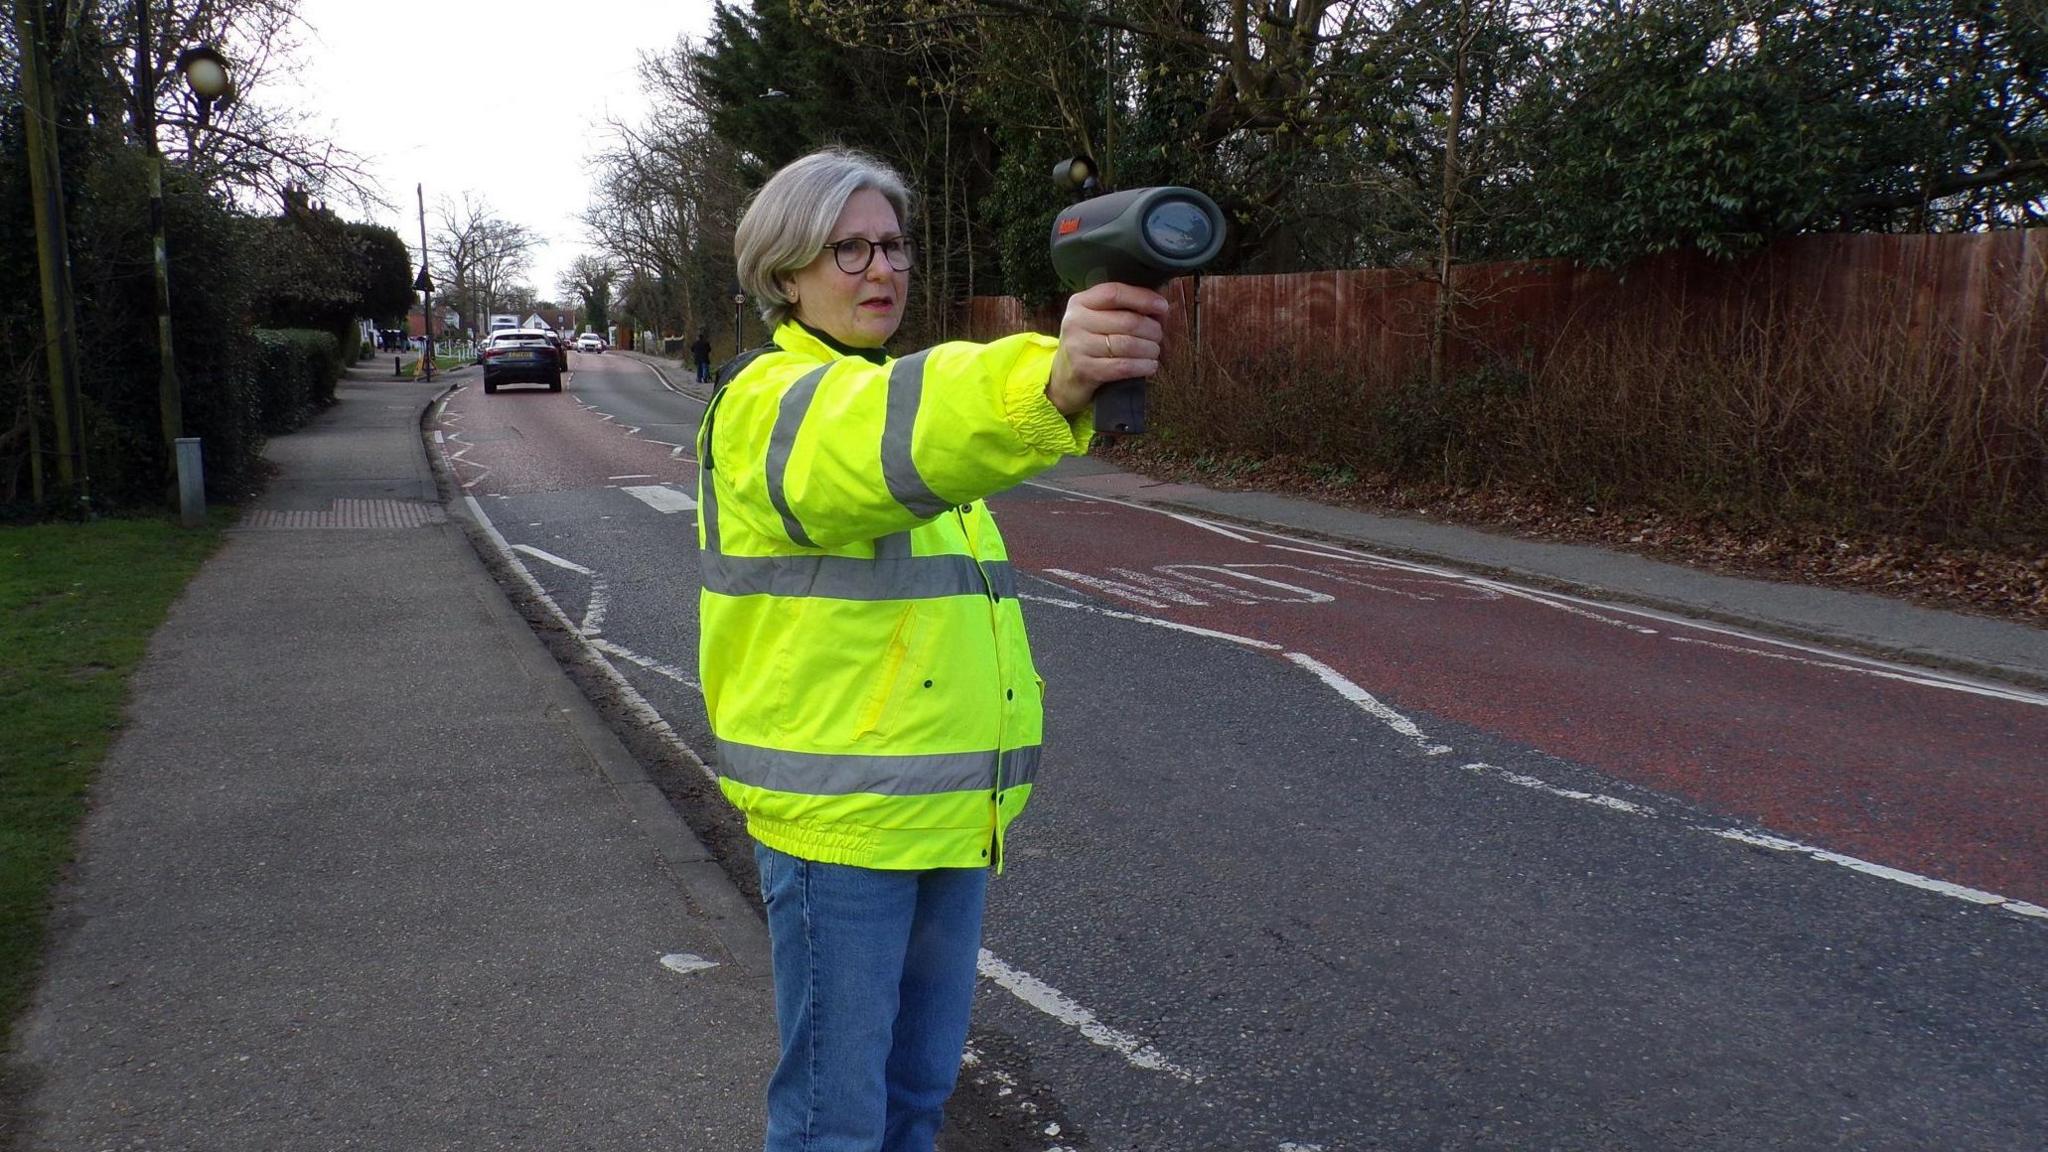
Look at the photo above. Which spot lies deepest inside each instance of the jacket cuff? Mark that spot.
(1031, 412)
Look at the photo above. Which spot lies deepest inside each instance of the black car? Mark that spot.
(522, 356)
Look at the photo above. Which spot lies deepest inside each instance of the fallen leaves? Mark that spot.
(2010, 584)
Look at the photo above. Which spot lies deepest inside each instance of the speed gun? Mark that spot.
(1143, 236)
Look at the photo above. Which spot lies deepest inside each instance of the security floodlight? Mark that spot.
(1075, 175)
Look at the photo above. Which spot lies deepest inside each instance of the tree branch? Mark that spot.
(1948, 186)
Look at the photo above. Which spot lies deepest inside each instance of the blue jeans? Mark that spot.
(874, 982)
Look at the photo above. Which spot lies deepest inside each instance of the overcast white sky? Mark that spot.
(416, 87)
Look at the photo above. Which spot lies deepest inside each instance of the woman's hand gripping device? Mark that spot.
(1144, 236)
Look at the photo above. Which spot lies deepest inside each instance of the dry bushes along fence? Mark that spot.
(1892, 384)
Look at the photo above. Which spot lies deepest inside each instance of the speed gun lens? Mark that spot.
(1178, 229)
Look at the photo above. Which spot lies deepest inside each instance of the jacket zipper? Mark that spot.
(988, 589)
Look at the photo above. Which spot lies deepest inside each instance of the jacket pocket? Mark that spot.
(896, 673)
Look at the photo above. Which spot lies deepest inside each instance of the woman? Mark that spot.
(863, 658)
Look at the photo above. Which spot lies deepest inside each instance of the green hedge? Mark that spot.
(295, 372)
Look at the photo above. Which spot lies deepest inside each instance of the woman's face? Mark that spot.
(862, 309)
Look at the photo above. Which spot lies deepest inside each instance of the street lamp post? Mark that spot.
(206, 73)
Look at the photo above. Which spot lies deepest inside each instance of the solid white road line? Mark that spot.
(1047, 999)
(1835, 665)
(600, 593)
(551, 558)
(674, 673)
(1561, 604)
(635, 703)
(1368, 702)
(1604, 801)
(1295, 593)
(1218, 529)
(1844, 661)
(663, 377)
(1897, 876)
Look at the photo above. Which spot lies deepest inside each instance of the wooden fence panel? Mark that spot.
(1978, 291)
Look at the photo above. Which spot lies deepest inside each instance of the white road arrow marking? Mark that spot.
(661, 497)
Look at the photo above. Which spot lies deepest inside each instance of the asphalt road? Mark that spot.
(1337, 852)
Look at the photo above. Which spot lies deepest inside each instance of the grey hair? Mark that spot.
(790, 218)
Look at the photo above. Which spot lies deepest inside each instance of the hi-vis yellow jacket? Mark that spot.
(863, 657)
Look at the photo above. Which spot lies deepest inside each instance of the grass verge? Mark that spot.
(78, 603)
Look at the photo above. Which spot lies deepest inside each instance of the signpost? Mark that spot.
(425, 285)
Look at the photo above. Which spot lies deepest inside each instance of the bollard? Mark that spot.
(398, 365)
(191, 483)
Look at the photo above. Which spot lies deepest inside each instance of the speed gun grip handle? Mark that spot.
(1120, 408)
(1120, 405)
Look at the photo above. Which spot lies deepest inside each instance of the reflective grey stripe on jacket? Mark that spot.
(893, 574)
(856, 578)
(788, 418)
(899, 468)
(825, 774)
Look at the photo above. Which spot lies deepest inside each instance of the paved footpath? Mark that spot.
(365, 870)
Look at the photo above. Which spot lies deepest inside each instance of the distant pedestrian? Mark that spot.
(700, 350)
(863, 656)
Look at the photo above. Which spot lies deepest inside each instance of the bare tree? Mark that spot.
(483, 255)
(242, 144)
(667, 199)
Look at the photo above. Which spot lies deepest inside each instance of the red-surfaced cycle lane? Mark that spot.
(1926, 774)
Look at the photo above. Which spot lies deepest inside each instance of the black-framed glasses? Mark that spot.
(854, 254)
